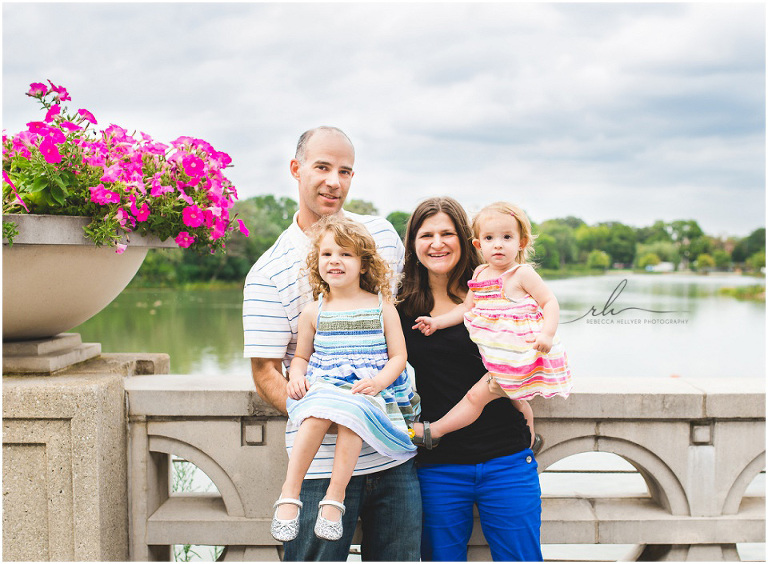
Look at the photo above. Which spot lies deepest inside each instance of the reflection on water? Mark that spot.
(703, 335)
(707, 335)
(201, 330)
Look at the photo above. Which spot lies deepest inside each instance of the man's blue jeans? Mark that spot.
(387, 502)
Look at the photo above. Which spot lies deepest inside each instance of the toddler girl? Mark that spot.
(512, 316)
(349, 369)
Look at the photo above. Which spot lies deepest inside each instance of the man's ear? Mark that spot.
(476, 243)
(295, 168)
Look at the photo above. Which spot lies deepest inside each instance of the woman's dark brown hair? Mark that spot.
(415, 295)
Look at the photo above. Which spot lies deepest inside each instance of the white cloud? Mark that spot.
(610, 111)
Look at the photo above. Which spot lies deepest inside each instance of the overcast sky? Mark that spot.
(608, 112)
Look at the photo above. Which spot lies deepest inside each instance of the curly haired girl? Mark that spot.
(349, 369)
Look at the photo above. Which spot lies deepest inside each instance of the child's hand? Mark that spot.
(367, 386)
(297, 387)
(543, 343)
(426, 325)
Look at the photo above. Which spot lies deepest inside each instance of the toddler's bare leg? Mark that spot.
(308, 439)
(466, 411)
(523, 407)
(348, 446)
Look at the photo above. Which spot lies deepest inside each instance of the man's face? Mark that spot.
(324, 176)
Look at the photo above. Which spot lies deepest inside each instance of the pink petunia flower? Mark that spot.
(193, 166)
(184, 239)
(120, 248)
(243, 228)
(69, 126)
(87, 115)
(50, 151)
(183, 195)
(111, 174)
(102, 196)
(181, 141)
(52, 113)
(141, 213)
(219, 230)
(54, 134)
(37, 126)
(123, 217)
(61, 92)
(193, 216)
(158, 189)
(37, 89)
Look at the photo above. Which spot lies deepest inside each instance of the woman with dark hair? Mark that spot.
(488, 463)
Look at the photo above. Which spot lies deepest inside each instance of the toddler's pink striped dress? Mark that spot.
(504, 331)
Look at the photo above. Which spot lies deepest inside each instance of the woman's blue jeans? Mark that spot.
(389, 506)
(507, 493)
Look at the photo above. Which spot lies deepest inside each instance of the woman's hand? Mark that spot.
(543, 343)
(367, 386)
(297, 387)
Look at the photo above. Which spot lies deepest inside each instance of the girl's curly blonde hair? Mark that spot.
(375, 275)
(525, 255)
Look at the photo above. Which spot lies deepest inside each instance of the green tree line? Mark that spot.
(563, 244)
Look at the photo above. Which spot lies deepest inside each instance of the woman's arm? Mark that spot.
(393, 333)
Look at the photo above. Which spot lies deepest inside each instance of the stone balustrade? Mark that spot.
(697, 444)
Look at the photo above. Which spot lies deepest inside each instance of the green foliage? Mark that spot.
(266, 217)
(562, 244)
(705, 262)
(749, 245)
(590, 238)
(755, 292)
(10, 230)
(599, 260)
(564, 237)
(621, 242)
(722, 259)
(756, 261)
(656, 233)
(547, 255)
(665, 251)
(399, 221)
(648, 259)
(361, 206)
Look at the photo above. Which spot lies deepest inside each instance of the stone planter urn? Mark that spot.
(55, 279)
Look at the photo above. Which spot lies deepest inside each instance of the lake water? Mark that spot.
(704, 335)
(610, 325)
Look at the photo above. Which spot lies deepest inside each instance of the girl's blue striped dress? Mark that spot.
(350, 346)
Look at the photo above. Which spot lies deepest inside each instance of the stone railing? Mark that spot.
(697, 445)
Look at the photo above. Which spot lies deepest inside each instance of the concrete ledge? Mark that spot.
(593, 398)
(190, 519)
(175, 395)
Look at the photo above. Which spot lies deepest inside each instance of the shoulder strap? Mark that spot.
(478, 270)
(381, 310)
(514, 268)
(319, 308)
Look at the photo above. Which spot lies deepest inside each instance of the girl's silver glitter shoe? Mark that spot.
(286, 530)
(329, 530)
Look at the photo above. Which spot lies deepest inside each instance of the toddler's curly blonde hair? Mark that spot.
(525, 255)
(375, 276)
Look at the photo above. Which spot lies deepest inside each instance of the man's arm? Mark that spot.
(270, 382)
